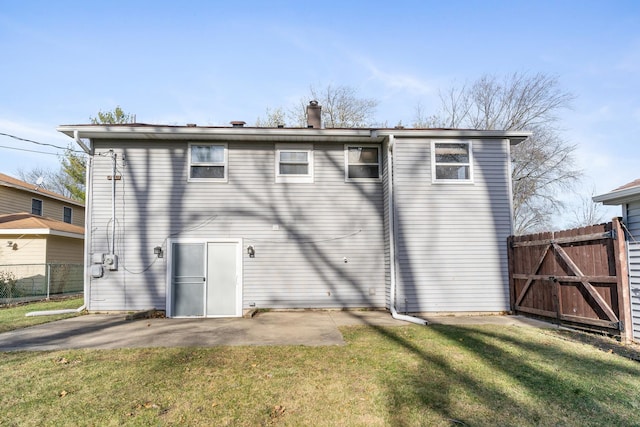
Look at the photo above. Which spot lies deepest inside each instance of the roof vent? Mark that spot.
(238, 123)
(191, 125)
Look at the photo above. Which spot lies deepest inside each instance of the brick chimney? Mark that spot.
(314, 115)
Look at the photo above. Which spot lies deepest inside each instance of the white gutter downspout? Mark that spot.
(55, 312)
(87, 215)
(392, 242)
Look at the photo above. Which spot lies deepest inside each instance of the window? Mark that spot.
(36, 207)
(294, 163)
(207, 162)
(66, 214)
(362, 162)
(451, 161)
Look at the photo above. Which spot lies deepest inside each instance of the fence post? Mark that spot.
(512, 285)
(622, 274)
(48, 280)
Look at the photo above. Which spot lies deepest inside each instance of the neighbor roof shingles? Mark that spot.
(27, 221)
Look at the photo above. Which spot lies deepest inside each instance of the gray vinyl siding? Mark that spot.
(451, 238)
(632, 221)
(299, 265)
(632, 218)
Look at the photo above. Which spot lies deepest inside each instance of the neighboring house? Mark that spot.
(211, 221)
(29, 239)
(20, 196)
(38, 226)
(628, 196)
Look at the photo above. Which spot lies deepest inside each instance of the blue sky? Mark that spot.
(210, 62)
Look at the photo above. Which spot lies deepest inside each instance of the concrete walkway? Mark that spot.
(310, 328)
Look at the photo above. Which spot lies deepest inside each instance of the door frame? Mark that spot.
(204, 241)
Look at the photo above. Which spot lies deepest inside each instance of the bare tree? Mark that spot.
(46, 179)
(424, 121)
(341, 108)
(273, 119)
(544, 165)
(588, 212)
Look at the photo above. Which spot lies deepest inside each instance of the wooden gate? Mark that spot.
(576, 277)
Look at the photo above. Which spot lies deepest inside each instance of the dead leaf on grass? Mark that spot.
(63, 393)
(62, 361)
(277, 411)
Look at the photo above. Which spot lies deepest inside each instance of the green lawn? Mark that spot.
(400, 376)
(14, 317)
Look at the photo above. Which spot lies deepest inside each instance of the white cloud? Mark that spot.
(398, 81)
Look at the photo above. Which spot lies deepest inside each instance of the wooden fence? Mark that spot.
(576, 277)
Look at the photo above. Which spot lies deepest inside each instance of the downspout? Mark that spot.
(392, 242)
(509, 174)
(87, 216)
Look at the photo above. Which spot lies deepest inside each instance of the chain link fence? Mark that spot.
(30, 282)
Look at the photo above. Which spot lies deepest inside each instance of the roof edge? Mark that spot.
(166, 132)
(39, 232)
(618, 197)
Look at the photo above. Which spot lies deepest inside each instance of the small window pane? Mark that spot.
(452, 153)
(292, 169)
(36, 207)
(67, 215)
(363, 171)
(207, 154)
(452, 172)
(207, 172)
(363, 155)
(294, 156)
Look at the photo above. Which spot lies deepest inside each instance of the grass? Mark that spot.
(400, 376)
(14, 317)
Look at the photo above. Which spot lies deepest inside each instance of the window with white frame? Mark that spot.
(362, 162)
(36, 207)
(67, 214)
(451, 161)
(294, 163)
(208, 162)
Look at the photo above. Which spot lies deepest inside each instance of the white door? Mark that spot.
(222, 279)
(205, 279)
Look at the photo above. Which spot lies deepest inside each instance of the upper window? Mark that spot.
(451, 161)
(207, 162)
(66, 214)
(362, 162)
(36, 207)
(294, 163)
